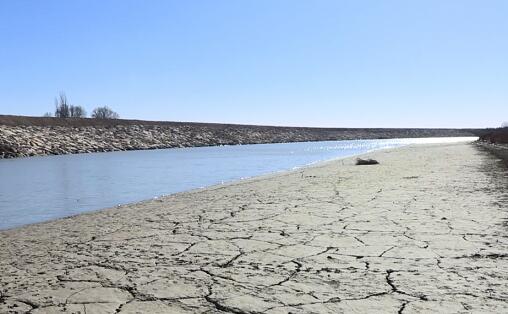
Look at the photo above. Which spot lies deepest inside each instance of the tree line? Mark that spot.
(65, 110)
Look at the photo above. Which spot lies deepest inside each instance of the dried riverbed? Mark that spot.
(424, 231)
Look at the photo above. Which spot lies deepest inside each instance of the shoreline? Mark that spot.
(240, 144)
(265, 176)
(498, 150)
(414, 233)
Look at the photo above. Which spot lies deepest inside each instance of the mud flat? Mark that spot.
(423, 231)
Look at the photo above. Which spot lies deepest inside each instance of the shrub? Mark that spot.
(104, 113)
(77, 112)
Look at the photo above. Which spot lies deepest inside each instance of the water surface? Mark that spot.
(42, 188)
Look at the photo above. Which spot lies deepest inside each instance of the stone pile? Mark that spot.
(34, 140)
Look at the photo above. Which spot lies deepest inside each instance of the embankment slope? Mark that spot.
(33, 136)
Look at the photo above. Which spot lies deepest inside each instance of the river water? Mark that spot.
(37, 189)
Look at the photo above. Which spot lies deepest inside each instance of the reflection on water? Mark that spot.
(41, 188)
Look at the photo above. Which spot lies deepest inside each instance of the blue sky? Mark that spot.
(335, 63)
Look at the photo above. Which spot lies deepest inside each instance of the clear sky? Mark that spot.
(428, 63)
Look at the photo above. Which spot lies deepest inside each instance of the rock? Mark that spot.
(360, 161)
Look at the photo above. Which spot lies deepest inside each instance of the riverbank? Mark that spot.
(495, 136)
(496, 142)
(499, 150)
(37, 136)
(423, 231)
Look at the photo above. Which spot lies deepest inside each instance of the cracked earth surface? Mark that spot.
(424, 231)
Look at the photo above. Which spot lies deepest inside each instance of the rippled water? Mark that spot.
(42, 188)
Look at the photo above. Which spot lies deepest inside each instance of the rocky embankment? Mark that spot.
(30, 136)
(496, 136)
(496, 142)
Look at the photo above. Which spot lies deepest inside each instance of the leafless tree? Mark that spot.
(48, 115)
(77, 112)
(104, 113)
(65, 110)
(62, 109)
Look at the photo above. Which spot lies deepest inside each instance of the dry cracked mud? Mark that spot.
(424, 231)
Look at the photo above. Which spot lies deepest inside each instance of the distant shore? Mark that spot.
(38, 136)
(423, 231)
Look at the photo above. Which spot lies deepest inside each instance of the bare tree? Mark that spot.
(48, 115)
(65, 110)
(62, 109)
(104, 113)
(77, 112)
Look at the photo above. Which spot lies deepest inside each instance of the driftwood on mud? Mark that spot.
(360, 161)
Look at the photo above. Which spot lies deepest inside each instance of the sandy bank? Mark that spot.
(424, 231)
